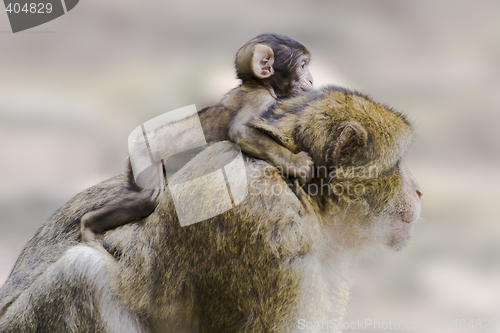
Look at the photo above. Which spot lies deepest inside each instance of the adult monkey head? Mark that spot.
(360, 178)
(276, 61)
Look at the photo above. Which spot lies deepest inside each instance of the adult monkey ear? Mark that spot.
(352, 138)
(262, 61)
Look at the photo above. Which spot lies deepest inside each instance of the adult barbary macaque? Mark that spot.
(269, 66)
(281, 256)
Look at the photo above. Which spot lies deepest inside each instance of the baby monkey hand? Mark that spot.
(301, 167)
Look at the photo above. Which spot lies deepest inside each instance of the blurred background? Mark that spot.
(73, 89)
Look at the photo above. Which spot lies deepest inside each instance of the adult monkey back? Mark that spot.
(276, 262)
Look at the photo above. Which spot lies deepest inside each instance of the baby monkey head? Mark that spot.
(277, 62)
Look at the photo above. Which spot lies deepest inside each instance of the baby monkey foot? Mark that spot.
(88, 235)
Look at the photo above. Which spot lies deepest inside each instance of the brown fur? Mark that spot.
(229, 119)
(282, 255)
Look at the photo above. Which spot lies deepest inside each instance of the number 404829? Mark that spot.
(33, 8)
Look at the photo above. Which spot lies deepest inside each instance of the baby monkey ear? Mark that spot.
(263, 61)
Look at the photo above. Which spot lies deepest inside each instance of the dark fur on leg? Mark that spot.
(130, 204)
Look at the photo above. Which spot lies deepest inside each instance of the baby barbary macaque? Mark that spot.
(270, 67)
